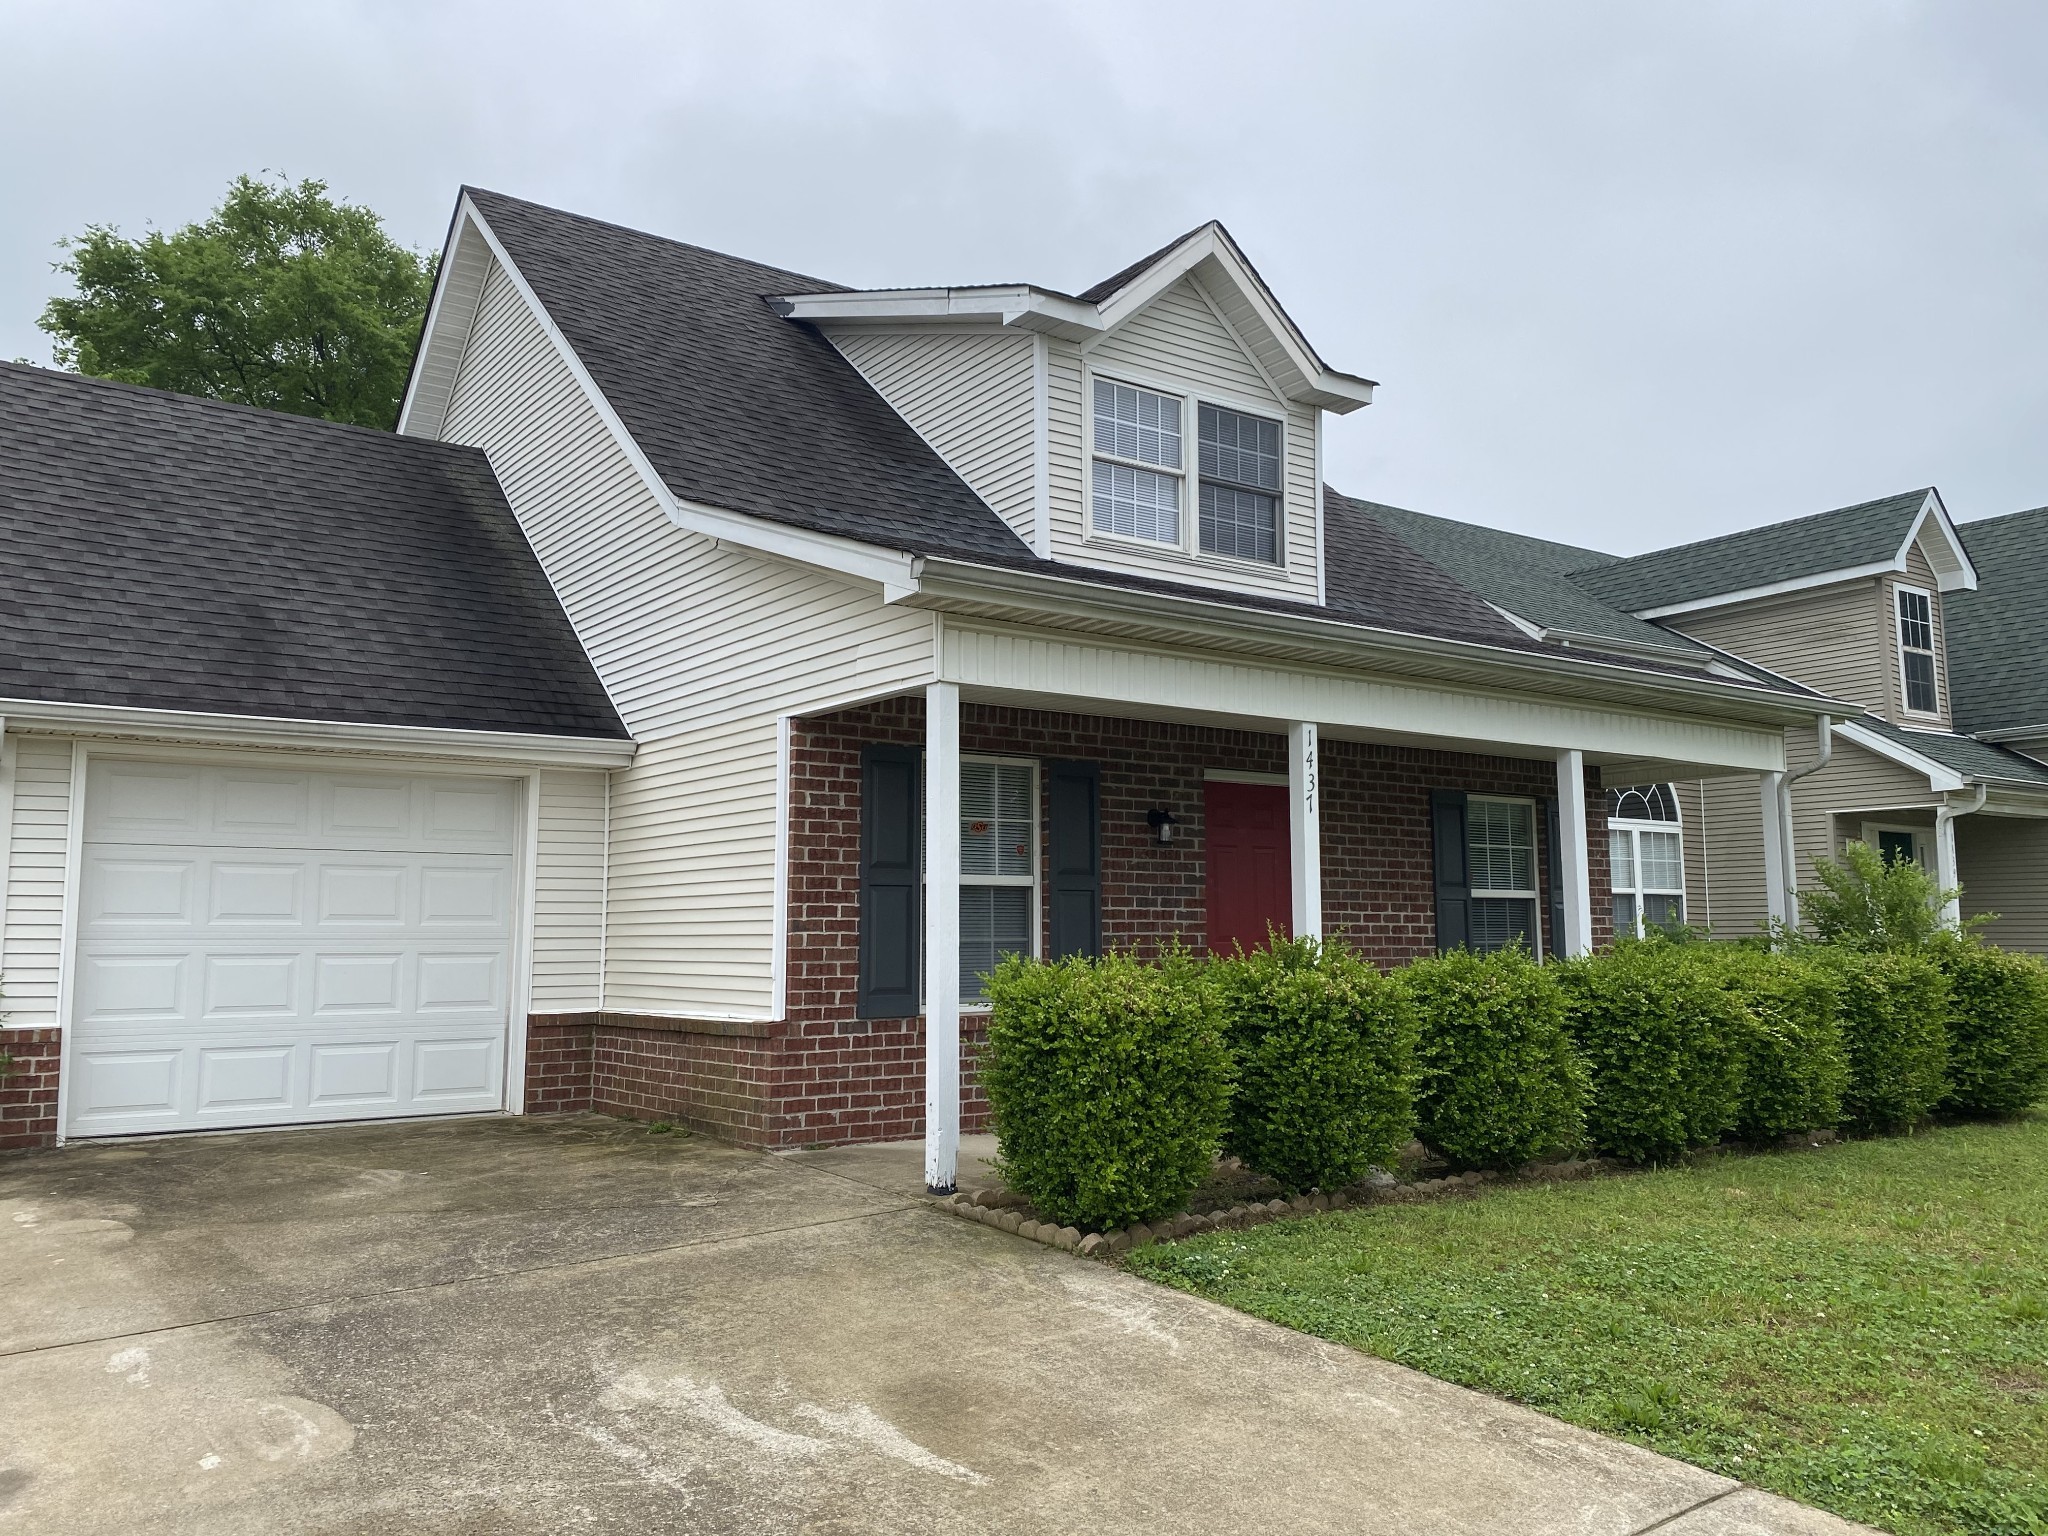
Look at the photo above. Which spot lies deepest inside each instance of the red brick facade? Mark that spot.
(821, 1075)
(28, 1089)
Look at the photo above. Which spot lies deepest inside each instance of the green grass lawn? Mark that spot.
(1863, 1327)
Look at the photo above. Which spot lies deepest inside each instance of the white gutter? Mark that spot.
(1787, 842)
(1945, 869)
(177, 725)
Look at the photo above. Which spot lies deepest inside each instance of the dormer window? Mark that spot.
(1916, 651)
(1138, 463)
(1240, 485)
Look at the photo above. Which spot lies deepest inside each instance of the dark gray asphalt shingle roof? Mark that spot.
(735, 406)
(1524, 575)
(1998, 634)
(165, 552)
(1863, 534)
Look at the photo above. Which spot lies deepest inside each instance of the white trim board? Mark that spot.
(174, 726)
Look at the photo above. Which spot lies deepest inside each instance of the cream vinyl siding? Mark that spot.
(1730, 857)
(34, 937)
(1921, 575)
(1827, 810)
(1831, 639)
(1699, 870)
(967, 394)
(2002, 864)
(568, 895)
(1178, 343)
(700, 648)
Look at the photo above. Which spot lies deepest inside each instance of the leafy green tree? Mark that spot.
(1864, 902)
(282, 298)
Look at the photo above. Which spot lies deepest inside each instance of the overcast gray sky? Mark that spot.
(1628, 273)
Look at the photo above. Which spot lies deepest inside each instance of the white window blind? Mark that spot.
(998, 866)
(1500, 851)
(1138, 498)
(1645, 858)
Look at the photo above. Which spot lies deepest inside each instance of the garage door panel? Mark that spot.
(260, 946)
(239, 1078)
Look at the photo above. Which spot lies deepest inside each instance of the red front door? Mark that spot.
(1246, 864)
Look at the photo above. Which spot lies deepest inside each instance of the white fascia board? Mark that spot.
(1314, 384)
(1219, 625)
(448, 322)
(2013, 733)
(892, 569)
(1533, 631)
(196, 726)
(1773, 589)
(1019, 306)
(1940, 777)
(1963, 578)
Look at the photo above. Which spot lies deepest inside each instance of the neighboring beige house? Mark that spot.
(1934, 632)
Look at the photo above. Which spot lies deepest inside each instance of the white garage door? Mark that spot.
(259, 946)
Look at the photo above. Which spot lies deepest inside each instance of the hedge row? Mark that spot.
(1114, 1083)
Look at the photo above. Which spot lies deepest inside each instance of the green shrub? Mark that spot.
(1324, 1047)
(1895, 1033)
(1997, 1027)
(1496, 1080)
(1108, 1082)
(1863, 902)
(1794, 1069)
(1662, 1040)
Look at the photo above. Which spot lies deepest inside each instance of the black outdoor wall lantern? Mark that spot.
(1162, 824)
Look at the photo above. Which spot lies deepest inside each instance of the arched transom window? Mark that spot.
(1646, 855)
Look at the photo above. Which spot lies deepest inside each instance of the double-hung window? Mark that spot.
(1240, 462)
(1138, 464)
(998, 867)
(1646, 858)
(1916, 650)
(1500, 841)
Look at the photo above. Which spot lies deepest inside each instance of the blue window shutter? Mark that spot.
(891, 882)
(1453, 875)
(1073, 875)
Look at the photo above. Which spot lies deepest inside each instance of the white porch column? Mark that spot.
(941, 935)
(1945, 874)
(1575, 867)
(1777, 882)
(1305, 829)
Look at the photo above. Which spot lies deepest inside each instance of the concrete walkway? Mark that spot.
(574, 1325)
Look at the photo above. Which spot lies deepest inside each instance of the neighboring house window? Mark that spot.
(1916, 650)
(1240, 463)
(1646, 858)
(998, 867)
(1138, 463)
(1500, 837)
(1897, 844)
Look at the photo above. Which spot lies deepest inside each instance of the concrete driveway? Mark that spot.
(578, 1325)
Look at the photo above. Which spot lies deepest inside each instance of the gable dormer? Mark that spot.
(1847, 602)
(1166, 422)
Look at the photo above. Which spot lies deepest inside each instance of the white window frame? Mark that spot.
(1899, 648)
(1633, 827)
(1189, 545)
(1533, 896)
(1923, 839)
(1033, 880)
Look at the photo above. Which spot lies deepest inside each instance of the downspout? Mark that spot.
(1825, 727)
(1946, 867)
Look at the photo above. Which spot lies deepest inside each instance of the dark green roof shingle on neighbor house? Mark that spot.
(1524, 575)
(1998, 634)
(1966, 755)
(1865, 534)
